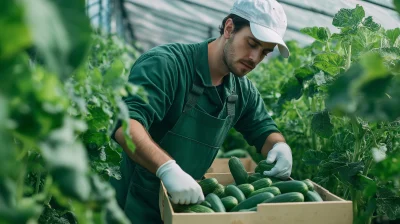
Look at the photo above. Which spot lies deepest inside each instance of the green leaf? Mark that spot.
(388, 203)
(321, 124)
(349, 17)
(329, 62)
(61, 150)
(8, 192)
(314, 157)
(365, 184)
(375, 79)
(292, 89)
(305, 73)
(94, 139)
(115, 214)
(72, 183)
(348, 170)
(311, 89)
(321, 34)
(15, 36)
(390, 56)
(388, 168)
(127, 136)
(99, 118)
(113, 76)
(364, 41)
(101, 192)
(61, 32)
(107, 165)
(27, 211)
(397, 5)
(392, 36)
(370, 24)
(340, 98)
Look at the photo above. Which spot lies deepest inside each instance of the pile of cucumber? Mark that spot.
(249, 190)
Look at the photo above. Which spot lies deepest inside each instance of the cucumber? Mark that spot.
(246, 189)
(287, 197)
(255, 176)
(206, 203)
(240, 153)
(263, 166)
(309, 184)
(254, 209)
(312, 196)
(274, 190)
(208, 185)
(275, 180)
(232, 190)
(261, 183)
(291, 186)
(220, 191)
(252, 201)
(220, 154)
(238, 171)
(215, 202)
(198, 209)
(229, 202)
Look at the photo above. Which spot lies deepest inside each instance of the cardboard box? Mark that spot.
(333, 210)
(220, 165)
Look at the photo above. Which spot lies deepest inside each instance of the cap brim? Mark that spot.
(268, 35)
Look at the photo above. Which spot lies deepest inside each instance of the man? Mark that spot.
(196, 93)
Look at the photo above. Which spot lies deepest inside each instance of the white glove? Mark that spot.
(283, 155)
(180, 185)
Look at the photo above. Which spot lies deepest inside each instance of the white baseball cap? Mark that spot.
(267, 21)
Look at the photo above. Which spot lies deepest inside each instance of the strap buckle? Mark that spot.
(232, 98)
(197, 90)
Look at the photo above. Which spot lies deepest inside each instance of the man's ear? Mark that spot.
(229, 27)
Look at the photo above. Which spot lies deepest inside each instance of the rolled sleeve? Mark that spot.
(156, 73)
(255, 124)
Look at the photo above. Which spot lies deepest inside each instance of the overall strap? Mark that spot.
(231, 102)
(194, 95)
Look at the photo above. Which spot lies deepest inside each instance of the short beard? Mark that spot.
(228, 54)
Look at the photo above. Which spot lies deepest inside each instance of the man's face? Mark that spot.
(243, 52)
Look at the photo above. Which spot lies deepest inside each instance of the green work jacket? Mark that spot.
(188, 117)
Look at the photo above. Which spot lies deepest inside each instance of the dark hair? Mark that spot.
(238, 23)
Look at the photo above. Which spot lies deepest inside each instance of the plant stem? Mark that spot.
(37, 186)
(348, 61)
(313, 136)
(354, 198)
(328, 46)
(354, 124)
(21, 182)
(346, 193)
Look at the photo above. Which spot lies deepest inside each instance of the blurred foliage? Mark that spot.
(337, 104)
(61, 89)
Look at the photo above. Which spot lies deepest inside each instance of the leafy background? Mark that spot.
(61, 90)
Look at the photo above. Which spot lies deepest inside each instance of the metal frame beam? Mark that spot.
(310, 9)
(92, 4)
(168, 16)
(125, 19)
(380, 5)
(226, 13)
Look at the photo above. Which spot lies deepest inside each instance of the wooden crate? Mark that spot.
(333, 210)
(220, 165)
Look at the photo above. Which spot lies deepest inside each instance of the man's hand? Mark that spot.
(180, 185)
(282, 153)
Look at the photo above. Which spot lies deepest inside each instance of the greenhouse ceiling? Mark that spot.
(155, 22)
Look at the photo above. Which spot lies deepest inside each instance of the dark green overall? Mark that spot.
(193, 142)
